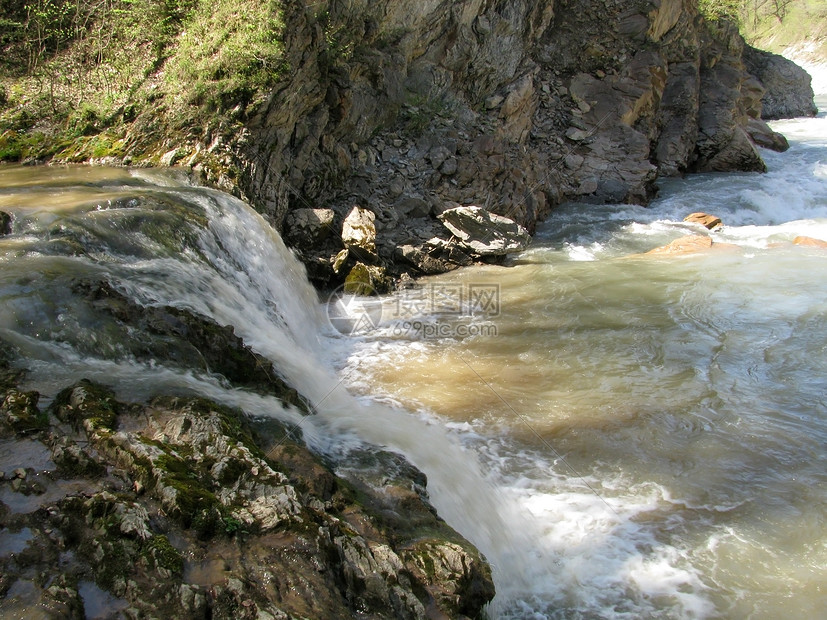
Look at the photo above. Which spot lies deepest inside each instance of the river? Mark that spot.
(623, 435)
(659, 423)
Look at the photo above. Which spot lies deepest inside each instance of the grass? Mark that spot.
(804, 27)
(74, 88)
(226, 54)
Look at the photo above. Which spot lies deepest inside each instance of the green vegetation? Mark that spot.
(422, 110)
(226, 54)
(775, 25)
(714, 10)
(800, 24)
(164, 555)
(75, 74)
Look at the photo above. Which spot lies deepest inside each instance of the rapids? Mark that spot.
(660, 422)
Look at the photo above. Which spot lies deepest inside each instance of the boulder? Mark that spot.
(428, 259)
(809, 242)
(788, 88)
(5, 223)
(704, 219)
(170, 158)
(305, 228)
(762, 135)
(485, 233)
(359, 233)
(690, 244)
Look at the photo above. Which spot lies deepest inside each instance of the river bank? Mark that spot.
(409, 113)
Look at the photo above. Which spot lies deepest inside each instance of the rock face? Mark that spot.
(788, 88)
(182, 508)
(306, 228)
(413, 109)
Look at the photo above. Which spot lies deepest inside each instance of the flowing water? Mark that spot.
(623, 436)
(659, 422)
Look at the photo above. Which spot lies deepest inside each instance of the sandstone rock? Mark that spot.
(359, 232)
(788, 87)
(304, 228)
(810, 242)
(691, 244)
(704, 219)
(485, 233)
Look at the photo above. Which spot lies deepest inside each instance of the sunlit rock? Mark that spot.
(359, 232)
(704, 219)
(485, 233)
(809, 242)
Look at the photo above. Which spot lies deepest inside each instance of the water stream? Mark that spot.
(623, 436)
(659, 421)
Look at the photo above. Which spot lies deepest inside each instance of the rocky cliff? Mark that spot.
(409, 110)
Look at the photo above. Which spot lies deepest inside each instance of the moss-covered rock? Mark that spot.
(206, 511)
(87, 404)
(19, 412)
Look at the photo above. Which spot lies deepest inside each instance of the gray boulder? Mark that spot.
(485, 233)
(789, 89)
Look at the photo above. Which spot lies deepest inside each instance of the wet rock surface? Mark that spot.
(187, 339)
(181, 507)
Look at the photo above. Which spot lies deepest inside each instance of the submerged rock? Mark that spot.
(485, 233)
(5, 223)
(690, 244)
(192, 341)
(809, 242)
